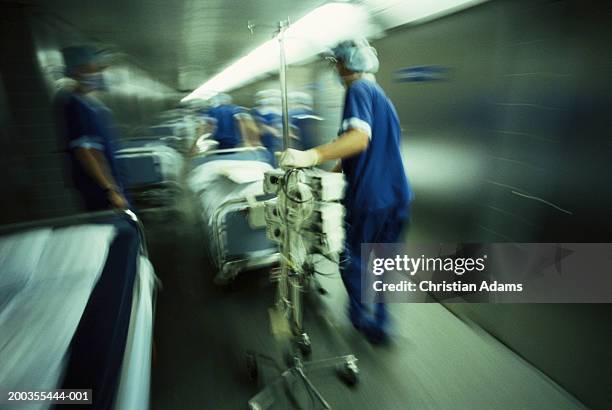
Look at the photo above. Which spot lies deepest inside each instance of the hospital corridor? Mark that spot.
(316, 204)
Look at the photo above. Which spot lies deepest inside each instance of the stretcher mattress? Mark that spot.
(46, 280)
(259, 155)
(49, 279)
(222, 181)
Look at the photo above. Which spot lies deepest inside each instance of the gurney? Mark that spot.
(259, 154)
(54, 276)
(179, 134)
(228, 185)
(151, 170)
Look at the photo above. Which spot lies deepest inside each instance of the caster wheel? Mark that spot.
(252, 367)
(304, 344)
(253, 406)
(350, 373)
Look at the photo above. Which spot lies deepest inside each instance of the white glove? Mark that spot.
(293, 158)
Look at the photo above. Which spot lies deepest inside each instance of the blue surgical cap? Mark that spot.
(357, 55)
(221, 99)
(78, 56)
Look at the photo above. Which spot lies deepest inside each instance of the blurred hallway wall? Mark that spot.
(507, 139)
(514, 130)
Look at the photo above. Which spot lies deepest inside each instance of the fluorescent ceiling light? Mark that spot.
(320, 29)
(397, 12)
(310, 35)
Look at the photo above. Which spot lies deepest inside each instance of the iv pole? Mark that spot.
(289, 291)
(283, 25)
(289, 298)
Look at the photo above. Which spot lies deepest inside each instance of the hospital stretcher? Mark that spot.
(178, 133)
(64, 278)
(228, 185)
(151, 170)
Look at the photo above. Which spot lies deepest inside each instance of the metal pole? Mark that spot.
(283, 25)
(286, 248)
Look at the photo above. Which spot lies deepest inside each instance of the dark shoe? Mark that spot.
(358, 319)
(375, 334)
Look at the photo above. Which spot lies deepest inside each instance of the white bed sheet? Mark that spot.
(215, 183)
(48, 276)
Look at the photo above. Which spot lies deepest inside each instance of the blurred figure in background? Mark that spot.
(268, 116)
(378, 195)
(89, 131)
(204, 132)
(227, 116)
(303, 119)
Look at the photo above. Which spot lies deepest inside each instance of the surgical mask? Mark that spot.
(93, 81)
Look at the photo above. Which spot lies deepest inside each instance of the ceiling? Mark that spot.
(181, 42)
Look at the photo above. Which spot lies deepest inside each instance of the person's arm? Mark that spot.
(357, 125)
(95, 165)
(350, 143)
(249, 131)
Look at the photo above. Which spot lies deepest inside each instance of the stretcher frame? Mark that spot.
(168, 188)
(230, 267)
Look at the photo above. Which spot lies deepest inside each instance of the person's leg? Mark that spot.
(360, 229)
(389, 234)
(390, 229)
(350, 270)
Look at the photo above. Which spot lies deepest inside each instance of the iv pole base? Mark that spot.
(345, 366)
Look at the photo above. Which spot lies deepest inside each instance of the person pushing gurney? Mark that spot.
(378, 195)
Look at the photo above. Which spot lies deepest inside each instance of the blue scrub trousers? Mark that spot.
(380, 226)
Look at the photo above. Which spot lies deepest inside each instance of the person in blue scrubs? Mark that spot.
(227, 116)
(303, 120)
(378, 194)
(89, 132)
(268, 115)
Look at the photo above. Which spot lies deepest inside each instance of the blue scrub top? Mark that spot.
(227, 131)
(89, 124)
(376, 177)
(268, 117)
(272, 119)
(301, 119)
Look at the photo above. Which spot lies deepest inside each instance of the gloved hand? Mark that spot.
(293, 158)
